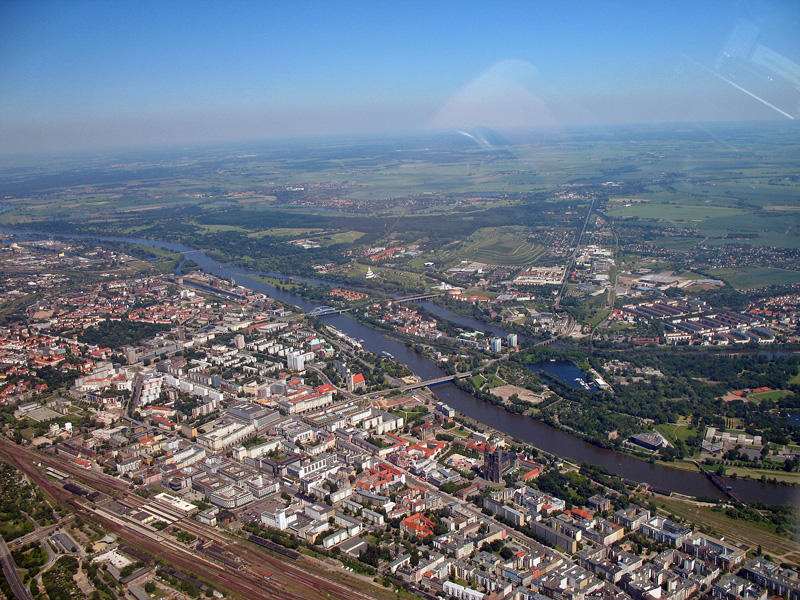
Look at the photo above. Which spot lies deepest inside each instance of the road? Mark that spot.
(39, 534)
(571, 261)
(10, 571)
(326, 380)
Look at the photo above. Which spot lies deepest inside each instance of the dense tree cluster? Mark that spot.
(115, 334)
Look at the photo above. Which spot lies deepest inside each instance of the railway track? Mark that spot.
(264, 574)
(278, 566)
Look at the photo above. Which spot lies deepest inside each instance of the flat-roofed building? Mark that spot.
(178, 505)
(231, 496)
(226, 434)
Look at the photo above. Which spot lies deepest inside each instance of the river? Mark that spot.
(525, 428)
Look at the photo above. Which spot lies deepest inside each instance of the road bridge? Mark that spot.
(417, 298)
(10, 571)
(427, 382)
(324, 311)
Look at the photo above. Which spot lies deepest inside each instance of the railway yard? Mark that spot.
(238, 567)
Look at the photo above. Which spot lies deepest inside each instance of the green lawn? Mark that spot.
(285, 232)
(477, 381)
(674, 432)
(771, 395)
(406, 279)
(344, 237)
(793, 477)
(495, 381)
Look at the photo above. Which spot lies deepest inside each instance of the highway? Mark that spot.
(39, 534)
(10, 571)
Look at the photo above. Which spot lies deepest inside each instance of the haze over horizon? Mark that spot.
(90, 75)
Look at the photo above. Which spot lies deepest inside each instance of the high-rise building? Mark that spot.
(131, 355)
(296, 361)
(496, 344)
(511, 338)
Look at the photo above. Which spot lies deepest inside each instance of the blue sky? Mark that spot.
(83, 74)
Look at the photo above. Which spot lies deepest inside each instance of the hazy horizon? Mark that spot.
(87, 76)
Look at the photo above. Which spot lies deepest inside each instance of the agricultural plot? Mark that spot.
(767, 228)
(754, 277)
(672, 211)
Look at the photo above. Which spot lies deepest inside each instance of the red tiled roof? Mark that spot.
(419, 525)
(532, 473)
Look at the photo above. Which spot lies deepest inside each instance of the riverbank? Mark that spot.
(772, 475)
(531, 431)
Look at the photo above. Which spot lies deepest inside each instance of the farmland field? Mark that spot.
(677, 211)
(755, 276)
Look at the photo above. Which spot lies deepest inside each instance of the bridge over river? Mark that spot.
(427, 382)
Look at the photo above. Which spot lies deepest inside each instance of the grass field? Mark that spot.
(742, 531)
(504, 246)
(771, 395)
(761, 228)
(477, 381)
(796, 378)
(343, 237)
(495, 381)
(406, 279)
(214, 228)
(793, 478)
(600, 315)
(679, 464)
(674, 432)
(285, 232)
(753, 277)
